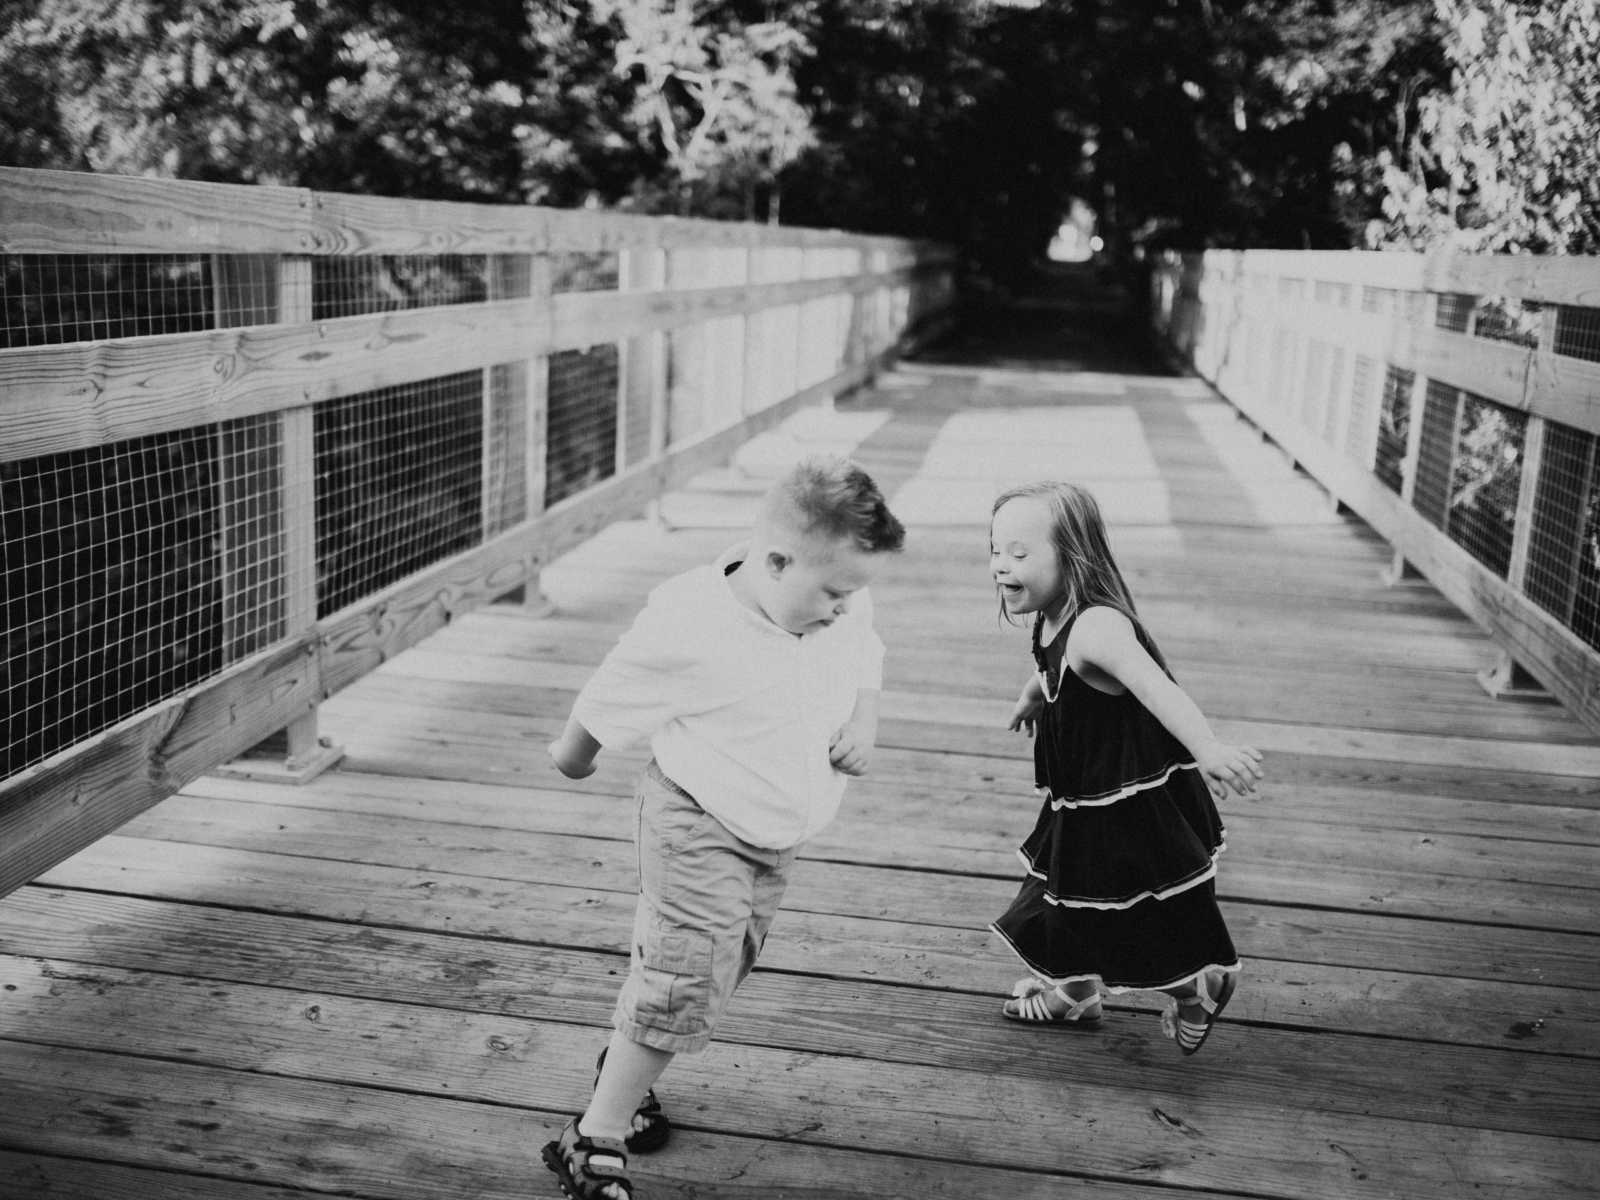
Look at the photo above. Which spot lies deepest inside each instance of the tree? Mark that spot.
(1505, 158)
(717, 95)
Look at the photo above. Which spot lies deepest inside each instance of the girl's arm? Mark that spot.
(1104, 640)
(1025, 715)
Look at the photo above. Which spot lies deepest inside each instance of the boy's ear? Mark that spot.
(777, 561)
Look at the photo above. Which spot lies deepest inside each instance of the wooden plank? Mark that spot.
(69, 397)
(1285, 988)
(47, 1177)
(304, 1132)
(54, 809)
(557, 809)
(61, 212)
(388, 1145)
(1497, 1008)
(1551, 279)
(475, 1056)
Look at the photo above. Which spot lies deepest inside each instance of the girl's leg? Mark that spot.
(1036, 1003)
(1196, 1006)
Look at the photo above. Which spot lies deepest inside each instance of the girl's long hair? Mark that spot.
(1078, 534)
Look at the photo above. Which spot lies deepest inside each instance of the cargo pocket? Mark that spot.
(674, 981)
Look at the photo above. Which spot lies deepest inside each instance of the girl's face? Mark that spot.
(1022, 558)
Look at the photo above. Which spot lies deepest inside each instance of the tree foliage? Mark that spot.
(1505, 158)
(1301, 123)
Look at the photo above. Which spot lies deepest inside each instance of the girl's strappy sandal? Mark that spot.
(589, 1168)
(656, 1129)
(1191, 1035)
(1030, 1005)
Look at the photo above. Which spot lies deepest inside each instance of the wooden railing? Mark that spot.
(255, 441)
(1452, 402)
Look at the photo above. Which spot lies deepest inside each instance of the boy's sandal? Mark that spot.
(1191, 1035)
(656, 1128)
(1030, 1005)
(589, 1168)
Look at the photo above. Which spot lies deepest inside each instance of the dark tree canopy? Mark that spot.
(1296, 123)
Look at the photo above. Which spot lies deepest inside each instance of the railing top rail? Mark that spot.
(54, 212)
(1549, 279)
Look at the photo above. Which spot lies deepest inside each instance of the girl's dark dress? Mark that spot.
(1122, 862)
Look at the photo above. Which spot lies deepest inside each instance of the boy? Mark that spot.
(755, 680)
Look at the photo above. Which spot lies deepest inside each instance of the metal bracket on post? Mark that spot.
(1399, 568)
(1507, 679)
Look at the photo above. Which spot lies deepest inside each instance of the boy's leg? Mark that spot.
(630, 1070)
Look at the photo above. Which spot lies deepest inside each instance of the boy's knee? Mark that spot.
(667, 999)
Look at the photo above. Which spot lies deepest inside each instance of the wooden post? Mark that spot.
(1399, 568)
(541, 284)
(1506, 678)
(296, 754)
(642, 371)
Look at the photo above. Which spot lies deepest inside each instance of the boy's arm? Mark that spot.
(574, 751)
(851, 748)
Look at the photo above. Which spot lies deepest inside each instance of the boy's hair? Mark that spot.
(1083, 551)
(832, 499)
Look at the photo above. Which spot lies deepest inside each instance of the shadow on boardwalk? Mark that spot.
(393, 982)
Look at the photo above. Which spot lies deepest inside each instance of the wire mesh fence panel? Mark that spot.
(581, 440)
(245, 289)
(352, 286)
(1485, 480)
(766, 375)
(1283, 353)
(1563, 567)
(1394, 428)
(820, 330)
(398, 483)
(1430, 491)
(705, 361)
(250, 539)
(1453, 311)
(1414, 307)
(116, 566)
(1380, 300)
(1335, 397)
(1577, 333)
(1313, 385)
(1331, 293)
(584, 271)
(1507, 319)
(48, 299)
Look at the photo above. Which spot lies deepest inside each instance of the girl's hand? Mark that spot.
(1225, 766)
(1025, 714)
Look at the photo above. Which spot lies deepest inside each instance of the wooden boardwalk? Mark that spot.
(393, 982)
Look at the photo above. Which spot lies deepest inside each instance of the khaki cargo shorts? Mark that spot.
(706, 901)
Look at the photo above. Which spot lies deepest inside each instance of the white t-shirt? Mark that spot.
(738, 711)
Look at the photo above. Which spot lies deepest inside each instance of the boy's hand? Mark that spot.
(574, 751)
(1225, 766)
(569, 765)
(851, 748)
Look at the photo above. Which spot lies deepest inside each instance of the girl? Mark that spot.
(1120, 891)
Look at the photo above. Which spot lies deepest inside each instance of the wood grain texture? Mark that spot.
(392, 982)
